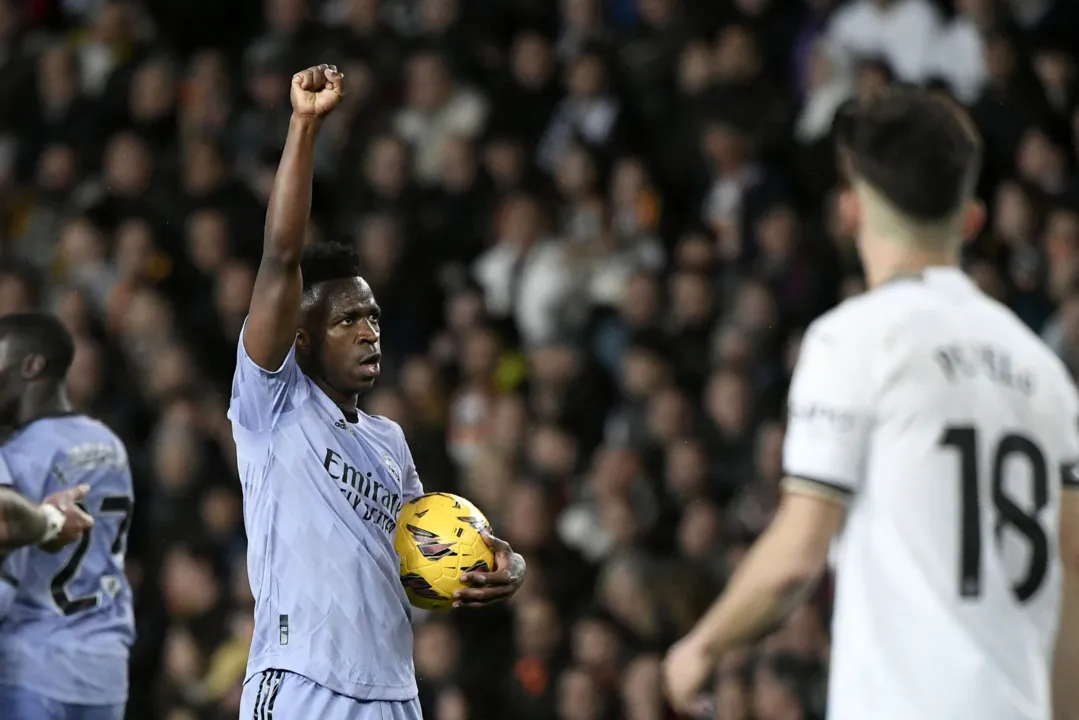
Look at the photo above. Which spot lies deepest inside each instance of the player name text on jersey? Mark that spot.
(979, 360)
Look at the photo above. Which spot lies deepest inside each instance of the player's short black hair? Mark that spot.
(328, 261)
(917, 148)
(38, 333)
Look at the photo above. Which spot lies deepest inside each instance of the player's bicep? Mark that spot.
(806, 524)
(829, 416)
(274, 314)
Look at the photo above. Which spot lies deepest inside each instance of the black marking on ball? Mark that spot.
(479, 566)
(420, 587)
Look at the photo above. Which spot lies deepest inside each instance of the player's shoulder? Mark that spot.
(383, 426)
(66, 446)
(87, 440)
(387, 434)
(1054, 389)
(1001, 323)
(908, 307)
(857, 320)
(900, 316)
(60, 431)
(84, 426)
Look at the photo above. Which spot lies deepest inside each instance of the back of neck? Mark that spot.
(885, 260)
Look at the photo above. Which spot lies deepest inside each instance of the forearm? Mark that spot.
(768, 585)
(1066, 662)
(290, 201)
(21, 521)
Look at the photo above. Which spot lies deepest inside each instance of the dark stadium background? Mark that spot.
(597, 228)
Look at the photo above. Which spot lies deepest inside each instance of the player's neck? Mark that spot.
(884, 260)
(42, 401)
(347, 402)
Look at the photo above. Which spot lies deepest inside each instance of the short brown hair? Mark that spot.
(916, 148)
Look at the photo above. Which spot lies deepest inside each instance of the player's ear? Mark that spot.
(303, 342)
(32, 366)
(974, 215)
(849, 212)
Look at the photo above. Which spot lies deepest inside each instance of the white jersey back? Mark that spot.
(952, 428)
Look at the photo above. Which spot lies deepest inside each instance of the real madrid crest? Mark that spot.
(391, 465)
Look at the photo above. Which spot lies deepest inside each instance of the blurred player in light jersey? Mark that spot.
(937, 436)
(66, 620)
(323, 482)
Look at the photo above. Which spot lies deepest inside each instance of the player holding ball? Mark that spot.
(324, 483)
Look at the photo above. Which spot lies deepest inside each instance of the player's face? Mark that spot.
(348, 355)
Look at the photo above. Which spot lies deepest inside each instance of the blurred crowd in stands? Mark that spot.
(597, 229)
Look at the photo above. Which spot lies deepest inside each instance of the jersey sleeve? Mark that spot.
(12, 567)
(411, 485)
(829, 416)
(6, 478)
(262, 399)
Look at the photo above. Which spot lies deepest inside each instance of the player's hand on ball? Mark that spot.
(485, 588)
(316, 91)
(685, 669)
(76, 520)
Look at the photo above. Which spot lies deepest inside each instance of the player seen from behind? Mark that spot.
(324, 483)
(66, 619)
(936, 436)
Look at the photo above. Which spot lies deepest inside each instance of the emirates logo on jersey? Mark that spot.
(370, 495)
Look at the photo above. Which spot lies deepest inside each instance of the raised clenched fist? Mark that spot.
(317, 90)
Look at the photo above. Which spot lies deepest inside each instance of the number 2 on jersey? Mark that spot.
(110, 505)
(1008, 514)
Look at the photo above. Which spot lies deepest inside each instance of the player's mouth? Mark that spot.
(371, 365)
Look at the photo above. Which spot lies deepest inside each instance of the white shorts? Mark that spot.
(282, 695)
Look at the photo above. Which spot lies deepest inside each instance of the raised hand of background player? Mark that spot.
(316, 91)
(76, 520)
(685, 669)
(486, 588)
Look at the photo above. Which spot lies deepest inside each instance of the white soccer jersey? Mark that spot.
(949, 425)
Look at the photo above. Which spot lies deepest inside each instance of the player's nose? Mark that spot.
(367, 331)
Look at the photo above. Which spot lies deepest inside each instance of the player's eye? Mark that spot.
(348, 320)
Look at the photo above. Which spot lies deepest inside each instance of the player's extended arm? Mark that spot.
(274, 314)
(56, 520)
(778, 572)
(21, 521)
(1066, 662)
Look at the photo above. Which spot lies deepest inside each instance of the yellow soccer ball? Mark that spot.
(438, 538)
